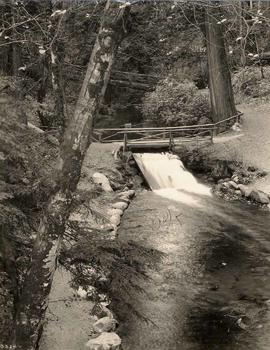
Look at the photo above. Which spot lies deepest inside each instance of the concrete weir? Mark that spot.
(167, 176)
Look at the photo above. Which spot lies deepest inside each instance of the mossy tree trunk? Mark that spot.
(221, 92)
(33, 300)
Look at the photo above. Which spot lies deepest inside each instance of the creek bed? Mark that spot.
(211, 289)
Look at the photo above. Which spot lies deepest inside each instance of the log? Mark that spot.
(131, 85)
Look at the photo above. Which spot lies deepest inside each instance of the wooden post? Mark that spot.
(99, 137)
(125, 142)
(212, 135)
(171, 141)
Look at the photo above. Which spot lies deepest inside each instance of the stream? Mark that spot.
(210, 290)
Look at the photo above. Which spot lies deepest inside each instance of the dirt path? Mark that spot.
(68, 319)
(252, 145)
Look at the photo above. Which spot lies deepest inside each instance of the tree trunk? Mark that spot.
(57, 55)
(221, 92)
(33, 300)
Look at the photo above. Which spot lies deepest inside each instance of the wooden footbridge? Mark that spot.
(134, 138)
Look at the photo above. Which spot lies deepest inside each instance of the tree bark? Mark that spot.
(57, 56)
(33, 300)
(221, 92)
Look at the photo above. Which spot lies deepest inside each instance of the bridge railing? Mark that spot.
(169, 135)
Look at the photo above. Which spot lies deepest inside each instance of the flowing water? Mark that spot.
(211, 289)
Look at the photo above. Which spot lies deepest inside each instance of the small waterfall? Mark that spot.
(167, 176)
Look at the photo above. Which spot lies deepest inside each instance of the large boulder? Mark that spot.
(105, 341)
(103, 181)
(114, 211)
(105, 324)
(115, 219)
(120, 205)
(259, 196)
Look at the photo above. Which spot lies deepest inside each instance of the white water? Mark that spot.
(167, 176)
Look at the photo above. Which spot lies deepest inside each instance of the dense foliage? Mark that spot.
(173, 103)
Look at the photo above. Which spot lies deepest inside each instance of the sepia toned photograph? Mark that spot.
(135, 175)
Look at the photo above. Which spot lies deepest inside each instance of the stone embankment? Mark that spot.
(114, 183)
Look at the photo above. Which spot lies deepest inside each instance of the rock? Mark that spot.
(102, 180)
(235, 178)
(89, 293)
(244, 190)
(259, 196)
(101, 311)
(115, 211)
(105, 324)
(82, 293)
(219, 187)
(92, 293)
(226, 184)
(127, 201)
(120, 205)
(53, 140)
(105, 341)
(238, 192)
(131, 184)
(124, 199)
(116, 186)
(128, 194)
(233, 184)
(115, 220)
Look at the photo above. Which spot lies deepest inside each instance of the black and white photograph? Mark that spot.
(135, 174)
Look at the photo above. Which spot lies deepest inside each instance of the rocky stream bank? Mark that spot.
(83, 281)
(230, 179)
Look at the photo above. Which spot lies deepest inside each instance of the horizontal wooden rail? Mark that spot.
(147, 129)
(162, 135)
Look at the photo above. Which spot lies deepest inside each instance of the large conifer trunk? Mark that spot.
(33, 301)
(221, 92)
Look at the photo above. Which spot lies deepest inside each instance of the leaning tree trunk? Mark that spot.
(33, 301)
(221, 92)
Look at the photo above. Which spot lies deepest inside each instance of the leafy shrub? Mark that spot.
(248, 83)
(175, 104)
